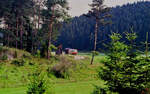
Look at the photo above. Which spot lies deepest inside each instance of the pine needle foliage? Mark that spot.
(125, 71)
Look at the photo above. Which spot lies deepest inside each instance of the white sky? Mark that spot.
(79, 7)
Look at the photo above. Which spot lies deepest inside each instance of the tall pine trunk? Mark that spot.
(95, 41)
(50, 34)
(39, 17)
(8, 37)
(33, 33)
(21, 36)
(49, 39)
(8, 40)
(17, 25)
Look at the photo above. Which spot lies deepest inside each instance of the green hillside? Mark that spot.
(79, 74)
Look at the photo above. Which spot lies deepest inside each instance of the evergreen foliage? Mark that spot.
(38, 84)
(99, 13)
(26, 24)
(125, 71)
(79, 32)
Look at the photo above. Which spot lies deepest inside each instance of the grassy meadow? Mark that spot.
(86, 87)
(81, 77)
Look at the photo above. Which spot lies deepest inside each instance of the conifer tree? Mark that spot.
(15, 14)
(56, 10)
(125, 71)
(99, 13)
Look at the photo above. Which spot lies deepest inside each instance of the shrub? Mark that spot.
(99, 90)
(66, 67)
(38, 84)
(61, 70)
(4, 57)
(26, 55)
(102, 90)
(96, 53)
(1, 48)
(19, 62)
(52, 47)
(38, 54)
(15, 54)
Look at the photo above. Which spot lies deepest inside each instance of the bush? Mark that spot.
(19, 62)
(52, 47)
(96, 53)
(4, 57)
(38, 54)
(15, 54)
(102, 90)
(99, 90)
(66, 67)
(61, 70)
(1, 48)
(38, 84)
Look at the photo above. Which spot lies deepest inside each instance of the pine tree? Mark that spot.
(125, 71)
(56, 10)
(99, 13)
(15, 14)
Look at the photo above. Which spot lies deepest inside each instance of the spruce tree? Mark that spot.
(125, 71)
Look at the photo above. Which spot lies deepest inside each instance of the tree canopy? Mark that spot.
(79, 33)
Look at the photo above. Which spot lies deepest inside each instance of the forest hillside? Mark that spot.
(79, 32)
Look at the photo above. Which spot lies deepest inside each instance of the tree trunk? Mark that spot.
(21, 36)
(33, 34)
(39, 17)
(8, 37)
(49, 38)
(17, 33)
(50, 34)
(95, 41)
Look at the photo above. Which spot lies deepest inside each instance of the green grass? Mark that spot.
(98, 59)
(63, 88)
(14, 79)
(21, 90)
(13, 50)
(76, 88)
